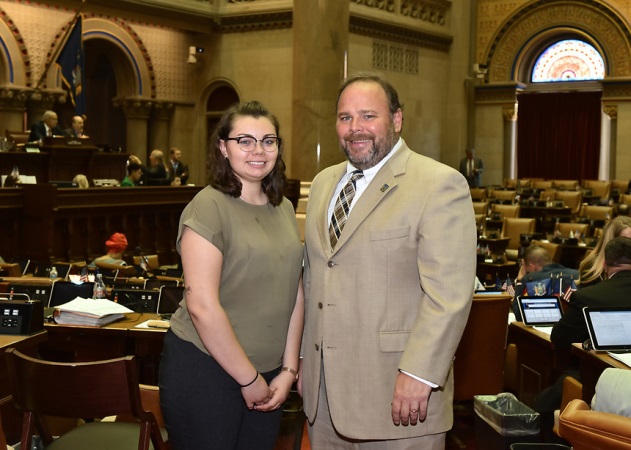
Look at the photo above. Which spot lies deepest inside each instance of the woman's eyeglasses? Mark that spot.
(248, 143)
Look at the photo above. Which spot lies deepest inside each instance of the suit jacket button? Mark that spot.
(330, 264)
(320, 305)
(317, 347)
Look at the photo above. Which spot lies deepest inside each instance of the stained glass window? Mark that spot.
(569, 60)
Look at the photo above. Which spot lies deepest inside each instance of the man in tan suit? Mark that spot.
(389, 291)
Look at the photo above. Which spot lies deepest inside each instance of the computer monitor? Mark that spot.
(65, 291)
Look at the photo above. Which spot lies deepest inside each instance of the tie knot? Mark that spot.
(356, 175)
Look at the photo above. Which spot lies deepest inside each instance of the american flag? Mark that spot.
(568, 292)
(509, 287)
(84, 275)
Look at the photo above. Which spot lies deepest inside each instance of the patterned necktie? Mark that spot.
(342, 207)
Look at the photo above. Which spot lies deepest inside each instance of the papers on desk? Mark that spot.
(546, 330)
(90, 312)
(622, 357)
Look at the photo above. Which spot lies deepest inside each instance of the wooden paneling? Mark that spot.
(45, 223)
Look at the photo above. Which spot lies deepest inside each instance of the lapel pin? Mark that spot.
(384, 188)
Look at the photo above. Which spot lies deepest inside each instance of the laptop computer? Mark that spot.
(609, 328)
(169, 300)
(542, 311)
(65, 291)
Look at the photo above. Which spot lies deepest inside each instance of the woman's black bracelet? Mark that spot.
(251, 382)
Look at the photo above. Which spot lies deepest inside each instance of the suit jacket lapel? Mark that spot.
(382, 184)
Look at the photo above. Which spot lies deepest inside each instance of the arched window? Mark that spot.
(569, 60)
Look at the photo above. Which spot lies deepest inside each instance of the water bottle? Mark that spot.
(99, 287)
(53, 273)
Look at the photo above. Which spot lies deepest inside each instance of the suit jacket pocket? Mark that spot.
(393, 341)
(391, 233)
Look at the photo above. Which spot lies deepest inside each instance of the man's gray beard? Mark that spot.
(380, 150)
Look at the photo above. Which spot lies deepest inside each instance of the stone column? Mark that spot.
(12, 107)
(137, 113)
(611, 110)
(160, 126)
(510, 141)
(320, 33)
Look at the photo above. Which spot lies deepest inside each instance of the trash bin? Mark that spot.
(539, 447)
(502, 420)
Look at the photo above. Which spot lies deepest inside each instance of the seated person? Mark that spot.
(45, 127)
(614, 291)
(116, 245)
(76, 130)
(613, 392)
(538, 266)
(572, 328)
(82, 181)
(134, 173)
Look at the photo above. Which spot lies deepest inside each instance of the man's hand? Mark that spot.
(409, 405)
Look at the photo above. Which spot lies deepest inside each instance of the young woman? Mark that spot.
(232, 352)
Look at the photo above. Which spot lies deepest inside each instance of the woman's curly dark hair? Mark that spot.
(222, 177)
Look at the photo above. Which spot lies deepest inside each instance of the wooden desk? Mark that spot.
(12, 418)
(486, 272)
(537, 366)
(69, 343)
(592, 364)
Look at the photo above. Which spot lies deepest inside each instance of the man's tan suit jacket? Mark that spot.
(394, 294)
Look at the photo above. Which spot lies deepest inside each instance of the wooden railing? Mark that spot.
(44, 223)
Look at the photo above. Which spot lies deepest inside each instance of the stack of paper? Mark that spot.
(90, 312)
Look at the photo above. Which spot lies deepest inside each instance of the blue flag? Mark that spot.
(70, 61)
(538, 288)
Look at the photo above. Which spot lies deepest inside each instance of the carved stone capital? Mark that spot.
(611, 110)
(134, 108)
(46, 98)
(509, 112)
(13, 98)
(163, 110)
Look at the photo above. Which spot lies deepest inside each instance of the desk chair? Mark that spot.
(565, 184)
(542, 184)
(597, 213)
(565, 228)
(594, 430)
(153, 261)
(572, 199)
(553, 249)
(87, 390)
(478, 194)
(514, 228)
(598, 188)
(481, 208)
(506, 210)
(506, 197)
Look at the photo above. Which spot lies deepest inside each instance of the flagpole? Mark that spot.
(60, 46)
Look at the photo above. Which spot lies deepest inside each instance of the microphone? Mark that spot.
(147, 269)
